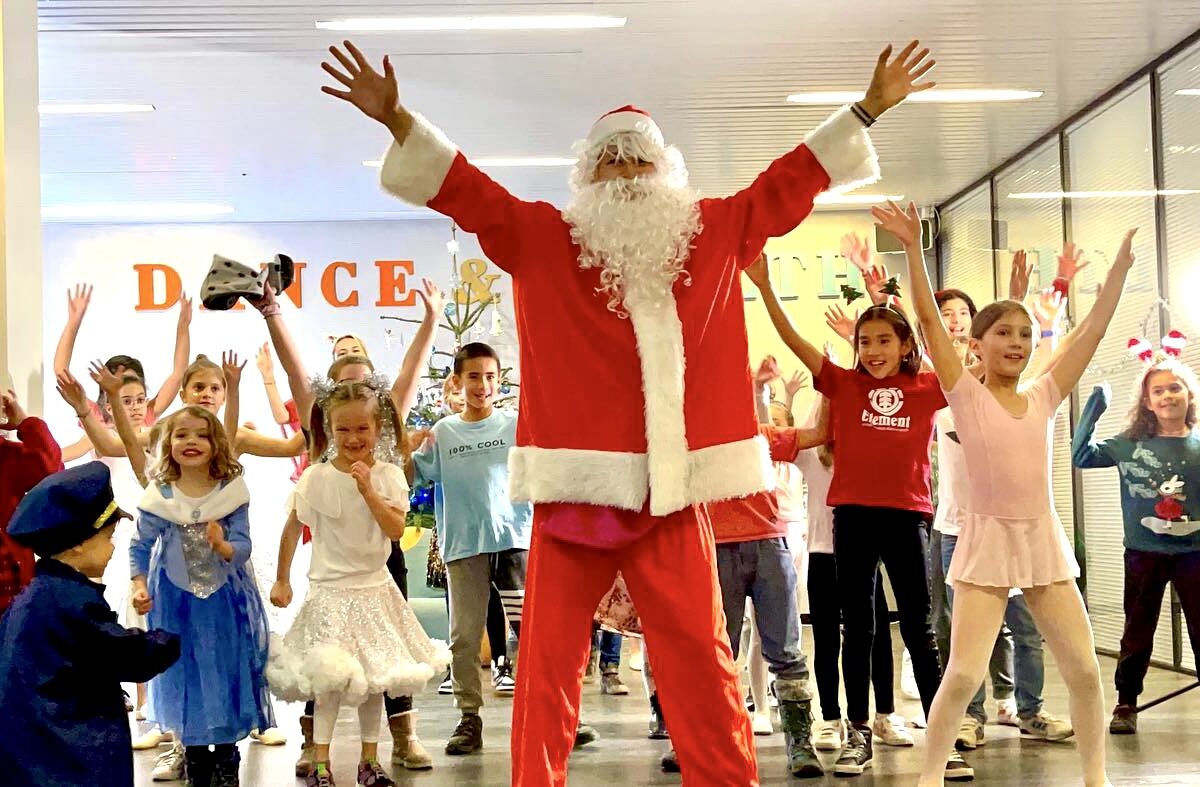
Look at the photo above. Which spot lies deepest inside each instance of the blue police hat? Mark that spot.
(65, 509)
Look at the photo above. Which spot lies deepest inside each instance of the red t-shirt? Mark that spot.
(881, 432)
(756, 517)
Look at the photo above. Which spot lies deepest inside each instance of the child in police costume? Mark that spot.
(63, 656)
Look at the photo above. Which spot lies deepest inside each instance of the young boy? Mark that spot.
(62, 655)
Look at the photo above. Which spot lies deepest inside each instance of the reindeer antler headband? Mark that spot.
(1172, 344)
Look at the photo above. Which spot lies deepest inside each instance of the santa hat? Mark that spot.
(625, 120)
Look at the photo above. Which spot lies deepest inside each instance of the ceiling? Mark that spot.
(240, 119)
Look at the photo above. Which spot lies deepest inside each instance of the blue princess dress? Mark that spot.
(216, 692)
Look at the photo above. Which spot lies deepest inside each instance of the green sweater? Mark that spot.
(1143, 466)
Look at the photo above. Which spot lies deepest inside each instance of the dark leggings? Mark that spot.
(497, 624)
(825, 614)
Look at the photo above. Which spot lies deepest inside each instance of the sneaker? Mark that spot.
(502, 677)
(970, 734)
(467, 737)
(372, 774)
(128, 704)
(908, 679)
(269, 737)
(585, 734)
(856, 754)
(830, 736)
(891, 730)
(593, 666)
(169, 767)
(772, 698)
(637, 660)
(610, 683)
(140, 714)
(957, 769)
(1124, 721)
(761, 724)
(320, 777)
(658, 727)
(669, 762)
(447, 685)
(1006, 713)
(152, 739)
(1045, 727)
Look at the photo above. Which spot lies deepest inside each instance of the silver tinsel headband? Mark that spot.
(385, 448)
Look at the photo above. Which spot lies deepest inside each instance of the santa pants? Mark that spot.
(671, 575)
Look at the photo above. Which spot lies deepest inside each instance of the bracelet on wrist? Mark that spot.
(270, 310)
(862, 114)
(1049, 334)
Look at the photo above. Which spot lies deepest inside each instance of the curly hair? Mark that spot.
(1141, 423)
(221, 467)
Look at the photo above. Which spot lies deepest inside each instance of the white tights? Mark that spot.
(325, 716)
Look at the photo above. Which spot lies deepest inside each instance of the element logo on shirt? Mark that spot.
(886, 402)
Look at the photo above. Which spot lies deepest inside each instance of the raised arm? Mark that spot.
(289, 354)
(808, 354)
(767, 372)
(267, 369)
(906, 226)
(101, 438)
(404, 389)
(39, 452)
(255, 443)
(233, 385)
(77, 306)
(1085, 451)
(183, 351)
(132, 444)
(1086, 338)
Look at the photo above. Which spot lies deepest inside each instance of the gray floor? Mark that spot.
(1165, 752)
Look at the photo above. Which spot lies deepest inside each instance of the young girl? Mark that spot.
(1158, 457)
(1011, 536)
(355, 637)
(194, 519)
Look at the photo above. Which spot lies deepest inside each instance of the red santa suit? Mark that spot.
(626, 427)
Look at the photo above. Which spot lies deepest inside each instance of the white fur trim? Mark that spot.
(730, 470)
(218, 505)
(575, 475)
(623, 122)
(415, 171)
(844, 150)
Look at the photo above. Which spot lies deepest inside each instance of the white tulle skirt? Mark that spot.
(354, 642)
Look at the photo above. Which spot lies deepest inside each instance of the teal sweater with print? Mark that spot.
(1143, 466)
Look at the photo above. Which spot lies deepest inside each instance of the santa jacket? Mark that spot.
(22, 465)
(660, 403)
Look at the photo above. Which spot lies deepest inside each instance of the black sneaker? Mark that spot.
(585, 734)
(856, 754)
(447, 685)
(669, 762)
(658, 727)
(468, 735)
(1124, 721)
(957, 769)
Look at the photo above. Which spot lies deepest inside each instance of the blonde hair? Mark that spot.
(788, 418)
(164, 469)
(348, 360)
(201, 364)
(361, 344)
(1142, 423)
(344, 393)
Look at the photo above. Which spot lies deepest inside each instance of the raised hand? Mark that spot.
(1049, 308)
(767, 372)
(109, 382)
(78, 302)
(758, 272)
(858, 250)
(262, 359)
(1018, 277)
(185, 313)
(1125, 254)
(232, 369)
(841, 323)
(896, 79)
(12, 412)
(376, 95)
(267, 305)
(795, 383)
(904, 224)
(1071, 262)
(72, 392)
(433, 298)
(830, 352)
(875, 278)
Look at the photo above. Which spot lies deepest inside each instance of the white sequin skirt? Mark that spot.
(354, 642)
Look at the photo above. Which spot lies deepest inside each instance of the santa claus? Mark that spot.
(636, 399)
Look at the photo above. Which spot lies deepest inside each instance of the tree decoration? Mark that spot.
(851, 294)
(891, 287)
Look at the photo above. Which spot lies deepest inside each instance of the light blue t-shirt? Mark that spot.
(468, 462)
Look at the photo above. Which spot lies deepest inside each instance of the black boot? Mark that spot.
(227, 763)
(199, 763)
(658, 727)
(795, 717)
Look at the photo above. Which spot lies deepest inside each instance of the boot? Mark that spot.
(795, 717)
(407, 751)
(308, 750)
(199, 766)
(225, 770)
(658, 727)
(593, 666)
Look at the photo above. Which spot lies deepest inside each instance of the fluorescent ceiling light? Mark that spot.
(506, 161)
(92, 109)
(833, 198)
(1102, 194)
(381, 24)
(1188, 91)
(936, 96)
(136, 210)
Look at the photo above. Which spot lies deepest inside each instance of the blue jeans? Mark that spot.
(609, 644)
(764, 571)
(1029, 669)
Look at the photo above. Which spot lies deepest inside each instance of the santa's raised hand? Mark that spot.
(895, 79)
(375, 94)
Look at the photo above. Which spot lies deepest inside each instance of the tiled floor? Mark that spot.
(1165, 752)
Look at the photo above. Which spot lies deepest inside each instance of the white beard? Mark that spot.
(639, 232)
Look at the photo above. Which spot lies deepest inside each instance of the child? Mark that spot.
(1158, 457)
(23, 462)
(484, 536)
(882, 410)
(1011, 536)
(62, 655)
(355, 636)
(194, 519)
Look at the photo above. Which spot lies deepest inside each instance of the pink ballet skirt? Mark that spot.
(1011, 536)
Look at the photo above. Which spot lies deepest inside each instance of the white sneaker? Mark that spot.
(269, 737)
(502, 677)
(152, 739)
(970, 734)
(1006, 713)
(447, 685)
(891, 730)
(637, 661)
(908, 681)
(831, 736)
(1045, 727)
(169, 767)
(761, 724)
